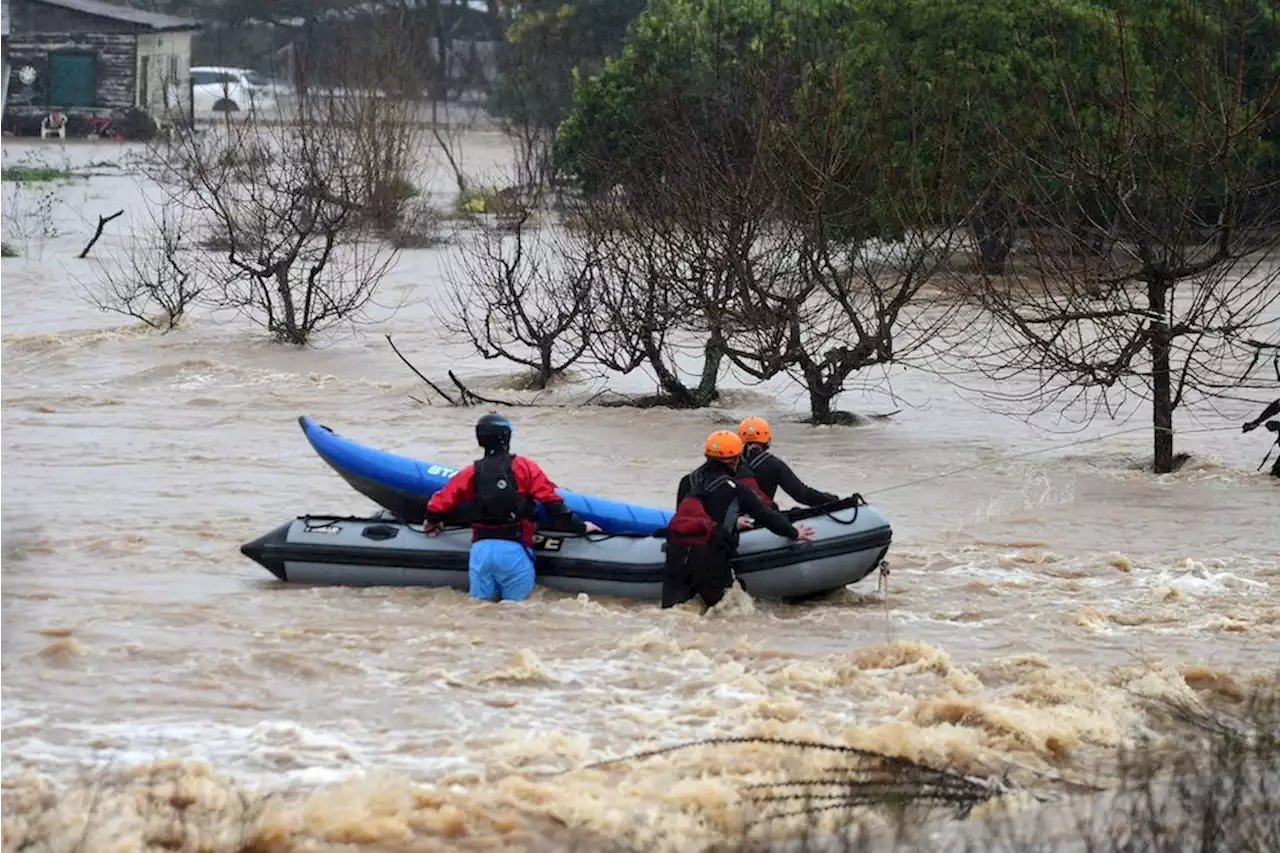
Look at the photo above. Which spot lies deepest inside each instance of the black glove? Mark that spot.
(1249, 427)
(1274, 426)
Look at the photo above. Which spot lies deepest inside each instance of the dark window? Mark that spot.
(73, 79)
(144, 82)
(205, 78)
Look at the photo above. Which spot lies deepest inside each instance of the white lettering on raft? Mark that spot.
(441, 471)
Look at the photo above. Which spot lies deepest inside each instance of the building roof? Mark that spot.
(102, 9)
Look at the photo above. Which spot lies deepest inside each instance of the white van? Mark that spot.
(221, 89)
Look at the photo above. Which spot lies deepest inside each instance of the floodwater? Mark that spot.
(1036, 599)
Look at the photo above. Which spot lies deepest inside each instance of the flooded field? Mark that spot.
(1037, 598)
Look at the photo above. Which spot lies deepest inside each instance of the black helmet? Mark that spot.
(493, 431)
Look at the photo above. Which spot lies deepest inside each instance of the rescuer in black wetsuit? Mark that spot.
(1273, 426)
(763, 472)
(702, 536)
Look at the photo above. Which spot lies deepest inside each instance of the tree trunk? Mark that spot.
(819, 405)
(713, 357)
(667, 379)
(544, 372)
(821, 393)
(995, 231)
(1161, 380)
(680, 395)
(291, 330)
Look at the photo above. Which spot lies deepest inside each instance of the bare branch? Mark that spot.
(97, 233)
(155, 281)
(469, 397)
(418, 372)
(521, 290)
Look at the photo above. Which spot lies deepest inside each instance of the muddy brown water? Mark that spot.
(1034, 600)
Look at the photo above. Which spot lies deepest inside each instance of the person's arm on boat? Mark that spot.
(541, 489)
(797, 489)
(771, 518)
(1269, 411)
(459, 488)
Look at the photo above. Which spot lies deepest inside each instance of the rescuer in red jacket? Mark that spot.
(504, 491)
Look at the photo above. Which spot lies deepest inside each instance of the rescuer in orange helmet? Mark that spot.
(763, 472)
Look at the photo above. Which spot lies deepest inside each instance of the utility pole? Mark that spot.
(4, 56)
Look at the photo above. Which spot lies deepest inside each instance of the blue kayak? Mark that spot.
(403, 485)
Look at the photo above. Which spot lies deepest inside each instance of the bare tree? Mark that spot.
(296, 204)
(155, 279)
(1148, 266)
(523, 296)
(521, 289)
(650, 305)
(861, 223)
(776, 224)
(677, 244)
(30, 215)
(292, 244)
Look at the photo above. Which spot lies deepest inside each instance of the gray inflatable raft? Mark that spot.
(850, 541)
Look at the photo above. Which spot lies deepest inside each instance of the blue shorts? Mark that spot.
(500, 568)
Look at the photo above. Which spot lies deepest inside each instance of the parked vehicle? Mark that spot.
(222, 89)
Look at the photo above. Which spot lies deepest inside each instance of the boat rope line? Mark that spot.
(856, 500)
(882, 581)
(1008, 457)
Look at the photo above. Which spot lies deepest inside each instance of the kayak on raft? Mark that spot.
(402, 485)
(850, 541)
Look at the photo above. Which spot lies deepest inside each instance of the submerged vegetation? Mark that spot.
(1083, 194)
(1069, 200)
(1079, 193)
(35, 175)
(1203, 774)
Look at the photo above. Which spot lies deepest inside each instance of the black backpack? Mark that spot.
(498, 499)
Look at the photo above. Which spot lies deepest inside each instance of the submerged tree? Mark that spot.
(154, 280)
(294, 205)
(869, 216)
(760, 156)
(521, 289)
(1149, 263)
(654, 304)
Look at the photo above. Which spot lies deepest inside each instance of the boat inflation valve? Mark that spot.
(380, 532)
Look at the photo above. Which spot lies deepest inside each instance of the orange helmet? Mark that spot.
(755, 431)
(723, 444)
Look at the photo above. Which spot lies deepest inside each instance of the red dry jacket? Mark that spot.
(531, 481)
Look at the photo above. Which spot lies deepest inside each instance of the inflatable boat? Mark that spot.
(402, 485)
(850, 541)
